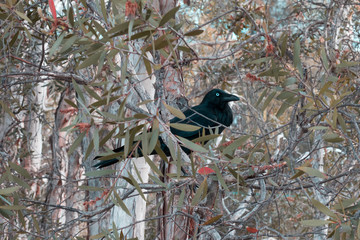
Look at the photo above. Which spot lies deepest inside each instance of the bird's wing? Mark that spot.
(197, 116)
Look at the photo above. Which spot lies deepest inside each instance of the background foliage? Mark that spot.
(287, 167)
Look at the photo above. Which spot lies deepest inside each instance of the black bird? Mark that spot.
(213, 112)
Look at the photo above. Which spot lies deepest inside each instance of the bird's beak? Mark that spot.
(230, 97)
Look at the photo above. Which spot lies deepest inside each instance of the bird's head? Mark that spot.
(218, 98)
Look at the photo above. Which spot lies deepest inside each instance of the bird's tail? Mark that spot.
(105, 163)
(119, 152)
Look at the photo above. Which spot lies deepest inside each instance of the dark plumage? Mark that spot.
(213, 112)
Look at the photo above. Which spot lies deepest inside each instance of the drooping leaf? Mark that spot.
(76, 143)
(220, 178)
(200, 193)
(234, 145)
(312, 172)
(297, 61)
(261, 60)
(152, 165)
(322, 208)
(174, 111)
(324, 58)
(56, 45)
(10, 190)
(91, 60)
(181, 199)
(212, 220)
(332, 137)
(136, 185)
(185, 127)
(119, 202)
(13, 207)
(22, 171)
(169, 15)
(315, 222)
(286, 104)
(189, 144)
(68, 43)
(347, 64)
(23, 16)
(268, 100)
(194, 33)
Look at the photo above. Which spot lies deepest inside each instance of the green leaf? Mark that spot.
(174, 111)
(162, 42)
(319, 128)
(261, 97)
(22, 171)
(100, 173)
(312, 172)
(103, 10)
(153, 140)
(192, 146)
(76, 143)
(136, 185)
(93, 59)
(268, 100)
(324, 58)
(286, 104)
(169, 15)
(184, 49)
(104, 101)
(238, 177)
(322, 208)
(220, 178)
(194, 33)
(297, 61)
(119, 202)
(79, 92)
(92, 93)
(184, 127)
(71, 103)
(157, 180)
(212, 220)
(107, 137)
(285, 95)
(261, 60)
(283, 43)
(147, 66)
(200, 193)
(122, 28)
(205, 138)
(131, 24)
(234, 145)
(68, 43)
(23, 16)
(181, 199)
(71, 16)
(347, 64)
(56, 45)
(152, 165)
(142, 34)
(315, 222)
(10, 190)
(20, 182)
(13, 207)
(332, 137)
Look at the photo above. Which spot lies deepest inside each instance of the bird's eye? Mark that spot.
(217, 94)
